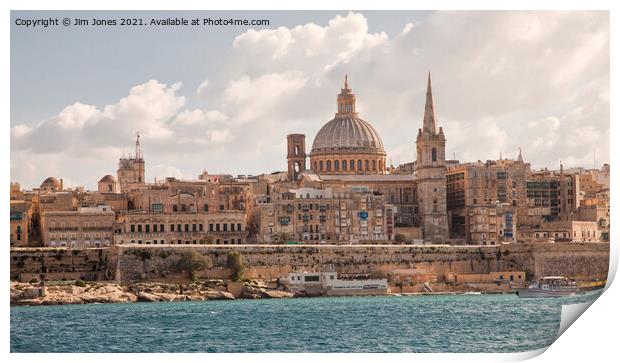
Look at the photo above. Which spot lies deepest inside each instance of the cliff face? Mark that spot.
(132, 263)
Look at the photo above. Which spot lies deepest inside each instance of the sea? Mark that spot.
(431, 323)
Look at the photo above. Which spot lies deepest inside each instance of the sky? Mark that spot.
(224, 98)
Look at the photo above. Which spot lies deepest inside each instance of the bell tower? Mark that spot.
(430, 171)
(296, 155)
(131, 169)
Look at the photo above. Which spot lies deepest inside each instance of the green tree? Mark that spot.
(191, 262)
(283, 237)
(235, 264)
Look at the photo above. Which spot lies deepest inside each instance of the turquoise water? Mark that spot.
(464, 323)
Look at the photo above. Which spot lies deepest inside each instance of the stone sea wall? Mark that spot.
(126, 264)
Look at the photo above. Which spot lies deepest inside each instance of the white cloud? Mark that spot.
(202, 88)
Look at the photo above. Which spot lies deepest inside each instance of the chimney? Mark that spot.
(62, 187)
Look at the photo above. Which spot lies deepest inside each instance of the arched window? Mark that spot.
(352, 165)
(328, 165)
(344, 165)
(321, 165)
(296, 149)
(367, 164)
(434, 154)
(374, 165)
(336, 165)
(359, 165)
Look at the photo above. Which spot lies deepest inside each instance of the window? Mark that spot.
(154, 228)
(336, 165)
(434, 154)
(148, 228)
(161, 227)
(344, 165)
(157, 208)
(194, 227)
(225, 227)
(367, 165)
(238, 226)
(311, 278)
(359, 165)
(186, 227)
(132, 228)
(321, 165)
(205, 208)
(352, 165)
(139, 228)
(210, 227)
(175, 208)
(328, 165)
(172, 228)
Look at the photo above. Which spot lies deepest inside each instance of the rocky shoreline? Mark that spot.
(81, 292)
(105, 292)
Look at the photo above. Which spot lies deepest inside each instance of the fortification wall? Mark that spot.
(135, 263)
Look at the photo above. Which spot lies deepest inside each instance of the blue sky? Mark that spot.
(502, 80)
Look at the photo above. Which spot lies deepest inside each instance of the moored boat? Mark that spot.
(552, 286)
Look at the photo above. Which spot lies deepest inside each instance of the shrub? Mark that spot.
(235, 264)
(192, 262)
(143, 254)
(80, 283)
(400, 238)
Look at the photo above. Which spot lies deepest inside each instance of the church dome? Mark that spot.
(347, 144)
(347, 133)
(50, 182)
(108, 179)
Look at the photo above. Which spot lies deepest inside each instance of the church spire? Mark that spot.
(520, 157)
(138, 150)
(346, 99)
(429, 110)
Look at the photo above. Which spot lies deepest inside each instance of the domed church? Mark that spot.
(348, 151)
(347, 144)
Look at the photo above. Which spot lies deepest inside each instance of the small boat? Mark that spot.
(550, 286)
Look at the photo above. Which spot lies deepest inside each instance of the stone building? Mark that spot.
(586, 231)
(51, 185)
(147, 227)
(187, 212)
(130, 173)
(478, 188)
(348, 215)
(20, 226)
(108, 184)
(83, 228)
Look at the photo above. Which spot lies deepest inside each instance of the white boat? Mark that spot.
(550, 286)
(328, 283)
